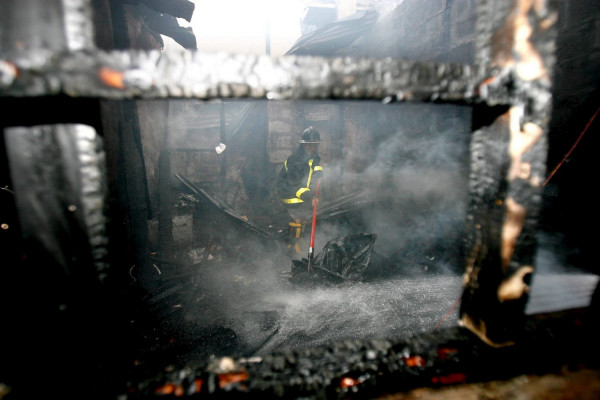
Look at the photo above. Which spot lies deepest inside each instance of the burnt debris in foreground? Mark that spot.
(551, 344)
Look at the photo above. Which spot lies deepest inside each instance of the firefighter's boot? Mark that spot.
(296, 230)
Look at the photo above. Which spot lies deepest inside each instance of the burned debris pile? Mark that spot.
(371, 368)
(219, 209)
(346, 259)
(328, 211)
(230, 229)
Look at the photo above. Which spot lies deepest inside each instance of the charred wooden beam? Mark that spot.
(508, 164)
(36, 62)
(58, 175)
(62, 285)
(156, 74)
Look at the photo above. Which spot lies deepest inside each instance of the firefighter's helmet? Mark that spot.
(310, 135)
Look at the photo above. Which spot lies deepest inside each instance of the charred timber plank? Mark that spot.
(218, 209)
(57, 173)
(508, 158)
(156, 74)
(371, 368)
(63, 291)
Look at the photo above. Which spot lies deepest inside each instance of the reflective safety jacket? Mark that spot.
(298, 176)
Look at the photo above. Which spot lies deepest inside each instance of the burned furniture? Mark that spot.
(509, 87)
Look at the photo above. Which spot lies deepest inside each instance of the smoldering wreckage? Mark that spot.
(241, 345)
(349, 258)
(232, 315)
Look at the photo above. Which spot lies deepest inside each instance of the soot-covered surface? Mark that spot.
(220, 308)
(325, 340)
(244, 309)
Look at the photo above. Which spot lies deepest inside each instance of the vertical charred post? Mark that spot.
(62, 283)
(508, 163)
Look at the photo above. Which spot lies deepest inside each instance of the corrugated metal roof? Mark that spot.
(333, 36)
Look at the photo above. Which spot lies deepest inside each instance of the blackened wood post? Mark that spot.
(165, 215)
(515, 57)
(133, 182)
(62, 285)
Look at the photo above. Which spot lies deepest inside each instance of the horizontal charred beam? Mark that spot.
(156, 74)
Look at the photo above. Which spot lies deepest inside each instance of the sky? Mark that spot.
(241, 26)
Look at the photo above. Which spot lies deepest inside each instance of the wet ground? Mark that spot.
(388, 309)
(222, 308)
(218, 307)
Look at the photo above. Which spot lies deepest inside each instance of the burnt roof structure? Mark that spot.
(336, 35)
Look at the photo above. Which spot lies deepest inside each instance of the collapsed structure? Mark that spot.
(63, 165)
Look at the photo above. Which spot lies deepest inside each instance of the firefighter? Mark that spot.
(296, 181)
